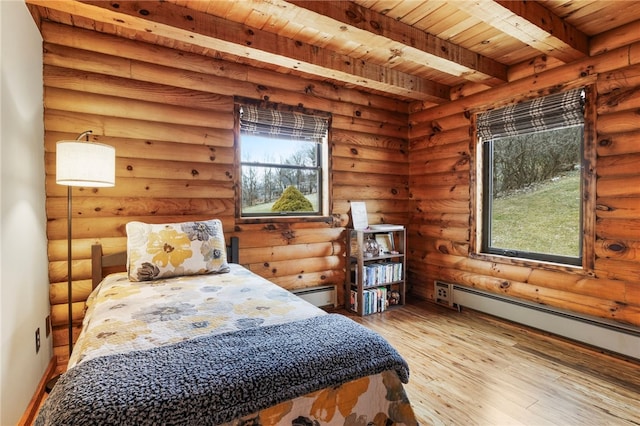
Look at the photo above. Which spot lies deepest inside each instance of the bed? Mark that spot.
(210, 342)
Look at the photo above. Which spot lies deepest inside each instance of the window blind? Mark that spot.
(269, 122)
(537, 115)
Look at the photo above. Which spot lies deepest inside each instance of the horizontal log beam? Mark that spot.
(148, 187)
(588, 305)
(617, 207)
(68, 122)
(536, 26)
(148, 148)
(614, 38)
(115, 106)
(102, 207)
(196, 28)
(91, 51)
(376, 193)
(255, 255)
(312, 279)
(417, 46)
(280, 268)
(214, 174)
(575, 74)
(618, 249)
(165, 94)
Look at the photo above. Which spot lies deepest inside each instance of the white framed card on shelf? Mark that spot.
(359, 215)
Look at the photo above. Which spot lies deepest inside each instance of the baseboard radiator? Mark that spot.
(609, 335)
(321, 296)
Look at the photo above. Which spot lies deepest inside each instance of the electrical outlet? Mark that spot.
(37, 339)
(47, 326)
(443, 293)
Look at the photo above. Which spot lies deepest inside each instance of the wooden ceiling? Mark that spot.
(410, 50)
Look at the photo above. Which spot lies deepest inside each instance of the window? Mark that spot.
(283, 162)
(531, 175)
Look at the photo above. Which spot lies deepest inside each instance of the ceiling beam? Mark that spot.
(412, 44)
(205, 30)
(532, 24)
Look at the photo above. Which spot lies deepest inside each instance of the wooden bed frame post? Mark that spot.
(233, 250)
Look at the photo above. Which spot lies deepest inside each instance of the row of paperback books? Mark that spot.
(373, 300)
(381, 273)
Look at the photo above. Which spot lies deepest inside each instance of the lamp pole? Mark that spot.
(84, 134)
(80, 164)
(69, 288)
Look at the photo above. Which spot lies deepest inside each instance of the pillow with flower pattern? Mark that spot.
(157, 251)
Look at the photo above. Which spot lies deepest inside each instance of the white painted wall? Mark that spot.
(24, 282)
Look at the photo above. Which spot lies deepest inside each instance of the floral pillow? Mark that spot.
(157, 251)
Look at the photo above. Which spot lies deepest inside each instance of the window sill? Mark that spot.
(529, 263)
(285, 219)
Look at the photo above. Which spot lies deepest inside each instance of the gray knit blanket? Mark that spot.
(212, 380)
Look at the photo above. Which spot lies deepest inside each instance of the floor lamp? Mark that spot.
(87, 164)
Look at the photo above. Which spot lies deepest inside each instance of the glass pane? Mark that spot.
(536, 199)
(257, 149)
(279, 190)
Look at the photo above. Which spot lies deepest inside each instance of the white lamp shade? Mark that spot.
(85, 164)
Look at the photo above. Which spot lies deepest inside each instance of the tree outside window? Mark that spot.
(284, 158)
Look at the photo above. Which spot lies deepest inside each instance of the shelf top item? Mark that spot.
(386, 227)
(359, 215)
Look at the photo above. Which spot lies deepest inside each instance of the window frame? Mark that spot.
(323, 169)
(588, 194)
(487, 214)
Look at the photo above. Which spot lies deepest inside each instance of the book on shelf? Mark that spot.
(374, 300)
(354, 300)
(380, 273)
(354, 274)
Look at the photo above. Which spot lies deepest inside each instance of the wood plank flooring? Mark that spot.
(468, 368)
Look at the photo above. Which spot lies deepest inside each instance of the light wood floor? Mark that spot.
(468, 368)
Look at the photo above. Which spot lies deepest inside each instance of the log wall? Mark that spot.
(169, 114)
(442, 230)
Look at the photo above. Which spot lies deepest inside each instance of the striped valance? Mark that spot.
(545, 113)
(287, 124)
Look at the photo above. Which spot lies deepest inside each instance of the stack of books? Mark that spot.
(381, 273)
(373, 300)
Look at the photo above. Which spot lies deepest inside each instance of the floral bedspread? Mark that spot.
(124, 316)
